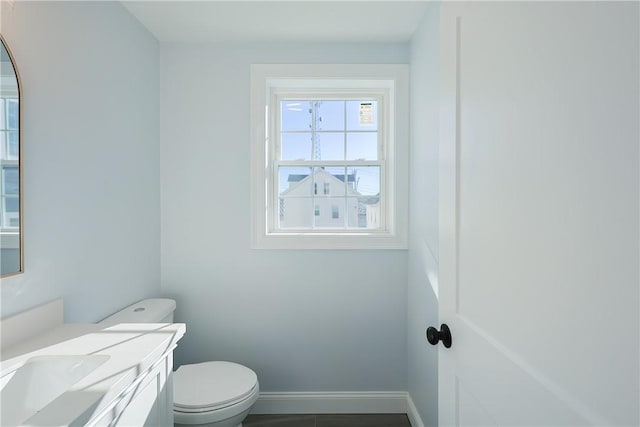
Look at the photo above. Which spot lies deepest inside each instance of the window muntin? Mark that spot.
(329, 153)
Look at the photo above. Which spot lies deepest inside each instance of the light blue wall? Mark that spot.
(91, 158)
(423, 196)
(304, 320)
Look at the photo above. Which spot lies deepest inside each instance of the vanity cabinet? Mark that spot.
(90, 374)
(148, 401)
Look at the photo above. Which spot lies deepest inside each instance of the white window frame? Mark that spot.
(391, 80)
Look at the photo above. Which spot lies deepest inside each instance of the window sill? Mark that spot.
(355, 241)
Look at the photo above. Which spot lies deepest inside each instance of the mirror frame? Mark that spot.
(20, 171)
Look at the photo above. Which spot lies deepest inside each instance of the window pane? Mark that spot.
(12, 145)
(3, 119)
(332, 181)
(296, 146)
(12, 114)
(297, 212)
(294, 181)
(362, 146)
(10, 181)
(353, 212)
(295, 115)
(367, 180)
(330, 115)
(331, 211)
(330, 146)
(366, 212)
(320, 177)
(362, 115)
(12, 204)
(335, 211)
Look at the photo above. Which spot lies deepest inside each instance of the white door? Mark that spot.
(539, 217)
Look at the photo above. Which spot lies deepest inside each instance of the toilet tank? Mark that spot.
(154, 310)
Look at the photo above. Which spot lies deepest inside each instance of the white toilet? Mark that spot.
(214, 394)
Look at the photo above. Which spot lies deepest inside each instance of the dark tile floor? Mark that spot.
(326, 420)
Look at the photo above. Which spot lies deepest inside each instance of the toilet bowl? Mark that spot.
(211, 394)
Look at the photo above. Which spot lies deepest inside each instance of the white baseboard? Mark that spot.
(390, 402)
(367, 402)
(413, 414)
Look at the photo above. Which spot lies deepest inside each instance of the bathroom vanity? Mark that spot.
(60, 374)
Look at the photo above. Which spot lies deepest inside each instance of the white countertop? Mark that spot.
(133, 348)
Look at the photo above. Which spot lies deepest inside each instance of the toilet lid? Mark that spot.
(211, 384)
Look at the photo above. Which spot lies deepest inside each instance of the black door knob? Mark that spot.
(444, 335)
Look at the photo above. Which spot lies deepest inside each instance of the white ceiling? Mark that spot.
(241, 21)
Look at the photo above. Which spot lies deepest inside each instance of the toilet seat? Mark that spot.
(215, 407)
(211, 386)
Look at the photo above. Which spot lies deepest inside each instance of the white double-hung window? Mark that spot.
(329, 154)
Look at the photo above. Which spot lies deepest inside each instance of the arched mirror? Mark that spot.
(11, 253)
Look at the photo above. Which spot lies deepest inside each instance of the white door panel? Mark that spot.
(539, 214)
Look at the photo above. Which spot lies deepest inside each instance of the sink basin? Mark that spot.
(41, 380)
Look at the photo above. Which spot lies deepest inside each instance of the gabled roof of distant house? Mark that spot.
(298, 179)
(370, 200)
